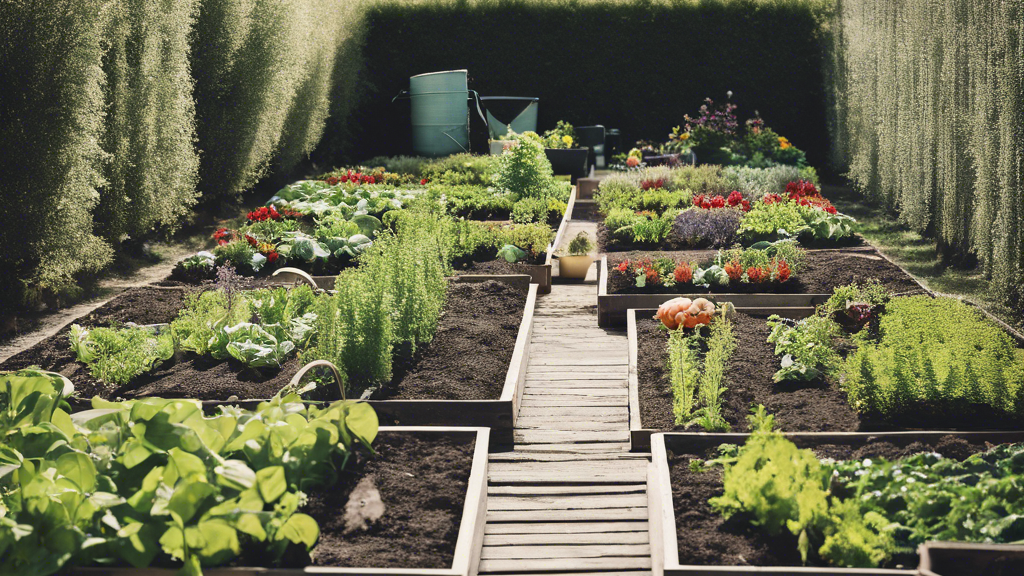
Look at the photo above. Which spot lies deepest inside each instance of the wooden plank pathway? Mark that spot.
(570, 498)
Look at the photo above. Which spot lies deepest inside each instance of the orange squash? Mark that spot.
(686, 313)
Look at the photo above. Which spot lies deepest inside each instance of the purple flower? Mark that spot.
(707, 228)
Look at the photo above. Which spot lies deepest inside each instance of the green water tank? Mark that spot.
(440, 113)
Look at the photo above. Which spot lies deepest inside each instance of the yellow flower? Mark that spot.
(784, 143)
(684, 136)
(568, 141)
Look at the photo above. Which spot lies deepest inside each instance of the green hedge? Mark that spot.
(51, 122)
(929, 102)
(150, 122)
(636, 65)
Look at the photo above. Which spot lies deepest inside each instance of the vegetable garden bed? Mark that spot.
(689, 537)
(822, 271)
(471, 374)
(817, 403)
(433, 484)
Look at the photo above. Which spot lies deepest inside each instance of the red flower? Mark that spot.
(735, 198)
(718, 202)
(772, 198)
(745, 205)
(332, 180)
(250, 240)
(623, 266)
(830, 209)
(683, 273)
(698, 200)
(272, 257)
(782, 271)
(734, 270)
(706, 204)
(757, 275)
(423, 182)
(223, 236)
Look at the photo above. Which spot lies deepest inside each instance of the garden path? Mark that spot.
(570, 498)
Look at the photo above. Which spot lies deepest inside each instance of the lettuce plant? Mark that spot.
(117, 355)
(156, 481)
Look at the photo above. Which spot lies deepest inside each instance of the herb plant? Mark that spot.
(806, 347)
(684, 373)
(710, 387)
(936, 355)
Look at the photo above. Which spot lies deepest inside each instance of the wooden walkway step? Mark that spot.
(570, 499)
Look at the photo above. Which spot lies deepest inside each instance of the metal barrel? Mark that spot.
(440, 113)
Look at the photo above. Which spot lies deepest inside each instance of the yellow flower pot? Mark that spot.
(574, 266)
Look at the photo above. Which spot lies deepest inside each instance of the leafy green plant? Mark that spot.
(806, 347)
(721, 344)
(155, 481)
(934, 354)
(193, 329)
(461, 169)
(529, 210)
(684, 373)
(117, 355)
(773, 220)
(870, 293)
(524, 170)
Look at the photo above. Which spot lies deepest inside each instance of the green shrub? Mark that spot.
(51, 129)
(530, 210)
(936, 354)
(194, 327)
(117, 355)
(461, 170)
(756, 182)
(524, 170)
(150, 123)
(473, 202)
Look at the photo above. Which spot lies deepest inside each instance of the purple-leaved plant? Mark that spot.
(715, 228)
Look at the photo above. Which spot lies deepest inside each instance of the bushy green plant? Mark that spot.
(806, 347)
(581, 244)
(754, 183)
(473, 202)
(364, 311)
(774, 220)
(156, 482)
(629, 226)
(530, 210)
(524, 170)
(563, 135)
(871, 293)
(117, 355)
(936, 354)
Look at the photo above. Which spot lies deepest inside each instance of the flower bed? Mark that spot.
(689, 534)
(808, 284)
(918, 363)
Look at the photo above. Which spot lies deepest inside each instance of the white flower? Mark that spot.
(258, 260)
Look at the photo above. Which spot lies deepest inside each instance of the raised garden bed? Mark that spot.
(607, 242)
(433, 483)
(823, 270)
(539, 273)
(689, 538)
(968, 559)
(472, 374)
(818, 405)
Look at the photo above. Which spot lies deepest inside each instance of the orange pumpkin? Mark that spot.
(685, 312)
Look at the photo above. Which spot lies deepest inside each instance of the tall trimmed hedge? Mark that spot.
(51, 122)
(929, 118)
(150, 124)
(636, 65)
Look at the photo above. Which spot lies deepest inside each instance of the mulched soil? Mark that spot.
(607, 242)
(422, 483)
(706, 539)
(817, 406)
(822, 272)
(467, 360)
(493, 267)
(470, 354)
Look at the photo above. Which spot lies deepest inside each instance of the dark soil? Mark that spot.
(468, 358)
(607, 242)
(822, 272)
(806, 407)
(472, 350)
(706, 539)
(493, 267)
(422, 482)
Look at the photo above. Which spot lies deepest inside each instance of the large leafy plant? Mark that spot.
(116, 355)
(806, 347)
(156, 481)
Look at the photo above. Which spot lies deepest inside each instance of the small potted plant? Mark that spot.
(575, 263)
(565, 158)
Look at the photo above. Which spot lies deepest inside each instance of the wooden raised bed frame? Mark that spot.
(612, 308)
(964, 558)
(661, 513)
(467, 547)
